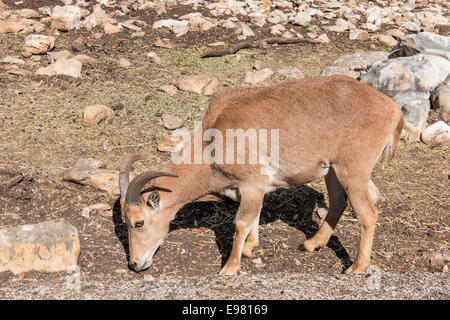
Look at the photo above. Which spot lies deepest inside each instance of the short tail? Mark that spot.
(391, 146)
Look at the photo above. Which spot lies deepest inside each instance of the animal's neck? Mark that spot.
(193, 182)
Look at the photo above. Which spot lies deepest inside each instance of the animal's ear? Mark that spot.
(153, 200)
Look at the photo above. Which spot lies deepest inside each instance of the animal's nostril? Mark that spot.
(133, 264)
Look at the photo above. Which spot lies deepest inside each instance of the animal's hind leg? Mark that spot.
(252, 240)
(338, 202)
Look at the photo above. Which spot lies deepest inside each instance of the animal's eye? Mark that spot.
(139, 224)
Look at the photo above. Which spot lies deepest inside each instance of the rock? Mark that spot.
(440, 53)
(257, 76)
(291, 72)
(11, 27)
(69, 67)
(217, 44)
(163, 43)
(440, 99)
(14, 69)
(341, 25)
(277, 29)
(323, 38)
(39, 27)
(243, 29)
(278, 17)
(411, 26)
(109, 28)
(98, 17)
(353, 64)
(57, 55)
(330, 70)
(302, 19)
(199, 23)
(169, 144)
(258, 65)
(93, 115)
(160, 8)
(129, 25)
(395, 33)
(229, 25)
(169, 89)
(428, 40)
(100, 207)
(154, 57)
(358, 34)
(12, 60)
(38, 44)
(91, 172)
(257, 19)
(204, 83)
(421, 73)
(84, 59)
(124, 63)
(314, 12)
(47, 246)
(85, 213)
(258, 262)
(28, 13)
(172, 122)
(385, 39)
(438, 259)
(415, 108)
(265, 4)
(370, 27)
(66, 18)
(178, 27)
(438, 134)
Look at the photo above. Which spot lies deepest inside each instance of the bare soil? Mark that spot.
(42, 137)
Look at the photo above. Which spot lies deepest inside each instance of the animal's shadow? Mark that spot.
(295, 207)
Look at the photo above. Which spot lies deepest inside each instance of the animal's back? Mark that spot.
(311, 113)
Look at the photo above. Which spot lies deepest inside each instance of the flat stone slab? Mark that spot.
(47, 246)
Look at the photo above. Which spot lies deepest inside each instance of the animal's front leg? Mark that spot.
(246, 218)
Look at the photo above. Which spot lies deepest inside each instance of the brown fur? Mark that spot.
(334, 126)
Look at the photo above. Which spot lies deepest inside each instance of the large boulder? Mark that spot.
(421, 73)
(47, 246)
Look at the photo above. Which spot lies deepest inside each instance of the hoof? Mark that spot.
(354, 269)
(229, 271)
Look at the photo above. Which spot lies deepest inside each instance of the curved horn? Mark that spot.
(134, 189)
(124, 173)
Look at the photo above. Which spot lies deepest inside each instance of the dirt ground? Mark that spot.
(42, 137)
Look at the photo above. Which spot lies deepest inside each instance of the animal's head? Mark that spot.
(144, 216)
